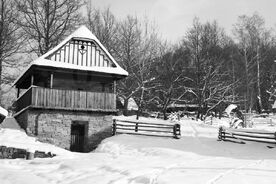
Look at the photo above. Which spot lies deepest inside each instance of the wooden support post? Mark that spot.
(32, 80)
(18, 92)
(51, 80)
(103, 87)
(114, 87)
(114, 127)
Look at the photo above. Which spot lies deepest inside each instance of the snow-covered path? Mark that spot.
(195, 158)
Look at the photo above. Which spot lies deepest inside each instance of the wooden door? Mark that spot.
(77, 137)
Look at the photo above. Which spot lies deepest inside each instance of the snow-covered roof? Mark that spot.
(229, 109)
(3, 111)
(274, 105)
(81, 33)
(109, 70)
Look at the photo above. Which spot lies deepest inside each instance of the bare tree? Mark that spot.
(104, 25)
(46, 22)
(148, 52)
(272, 86)
(205, 43)
(170, 80)
(134, 44)
(128, 39)
(216, 88)
(10, 41)
(251, 34)
(137, 47)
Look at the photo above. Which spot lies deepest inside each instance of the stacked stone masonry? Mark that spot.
(13, 153)
(54, 126)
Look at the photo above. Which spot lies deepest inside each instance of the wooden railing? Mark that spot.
(144, 128)
(241, 135)
(66, 99)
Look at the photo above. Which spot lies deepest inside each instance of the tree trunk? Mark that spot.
(258, 81)
(164, 114)
(198, 114)
(140, 104)
(246, 81)
(125, 110)
(139, 112)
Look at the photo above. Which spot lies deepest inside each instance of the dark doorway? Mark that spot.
(77, 136)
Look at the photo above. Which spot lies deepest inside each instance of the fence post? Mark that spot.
(223, 133)
(176, 131)
(114, 127)
(30, 154)
(136, 127)
(220, 134)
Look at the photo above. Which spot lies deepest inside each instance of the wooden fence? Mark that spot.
(238, 135)
(144, 128)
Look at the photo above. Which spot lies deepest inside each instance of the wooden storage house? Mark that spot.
(67, 96)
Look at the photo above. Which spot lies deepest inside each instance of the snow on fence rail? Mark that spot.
(234, 135)
(145, 128)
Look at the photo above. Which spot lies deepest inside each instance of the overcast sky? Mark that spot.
(173, 17)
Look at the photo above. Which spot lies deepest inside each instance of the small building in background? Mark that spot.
(67, 96)
(131, 108)
(274, 107)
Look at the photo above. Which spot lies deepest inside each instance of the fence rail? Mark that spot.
(237, 135)
(144, 128)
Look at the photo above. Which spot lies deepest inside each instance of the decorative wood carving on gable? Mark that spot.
(83, 53)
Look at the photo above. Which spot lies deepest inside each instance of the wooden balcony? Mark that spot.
(39, 97)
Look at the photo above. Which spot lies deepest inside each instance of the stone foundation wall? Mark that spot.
(22, 120)
(54, 126)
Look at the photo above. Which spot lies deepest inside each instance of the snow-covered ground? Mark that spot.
(195, 158)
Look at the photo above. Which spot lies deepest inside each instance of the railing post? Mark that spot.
(32, 80)
(176, 131)
(51, 80)
(136, 127)
(114, 127)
